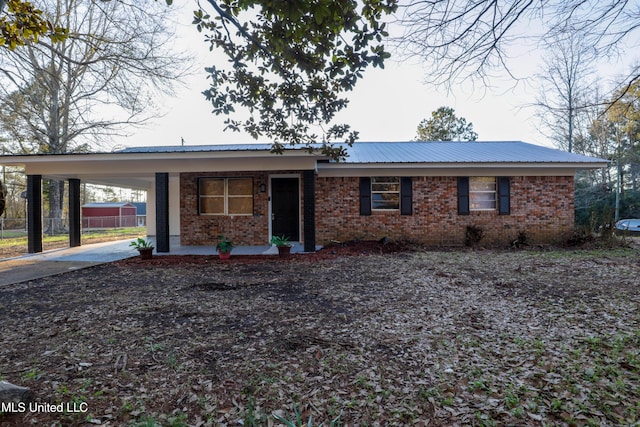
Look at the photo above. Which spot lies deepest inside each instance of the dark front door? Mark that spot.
(285, 208)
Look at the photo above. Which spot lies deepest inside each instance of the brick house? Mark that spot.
(424, 192)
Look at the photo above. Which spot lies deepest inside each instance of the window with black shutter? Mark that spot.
(365, 196)
(386, 194)
(463, 195)
(482, 193)
(406, 196)
(504, 196)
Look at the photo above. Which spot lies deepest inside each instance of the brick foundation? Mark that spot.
(541, 207)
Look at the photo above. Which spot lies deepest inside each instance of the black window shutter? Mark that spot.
(406, 196)
(504, 196)
(365, 196)
(463, 195)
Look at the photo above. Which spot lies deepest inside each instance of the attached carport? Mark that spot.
(155, 170)
(77, 169)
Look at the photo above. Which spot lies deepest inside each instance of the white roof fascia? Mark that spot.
(139, 166)
(143, 156)
(455, 169)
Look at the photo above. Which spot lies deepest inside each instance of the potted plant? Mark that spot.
(224, 247)
(144, 246)
(283, 245)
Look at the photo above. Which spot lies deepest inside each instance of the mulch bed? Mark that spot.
(331, 251)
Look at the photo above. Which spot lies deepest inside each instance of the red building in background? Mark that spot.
(109, 215)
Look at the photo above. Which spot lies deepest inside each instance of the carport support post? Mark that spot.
(74, 213)
(162, 212)
(34, 213)
(309, 199)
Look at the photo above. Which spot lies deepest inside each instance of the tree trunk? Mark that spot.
(56, 200)
(13, 393)
(2, 199)
(635, 172)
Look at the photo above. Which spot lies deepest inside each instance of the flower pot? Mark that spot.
(284, 251)
(224, 255)
(146, 253)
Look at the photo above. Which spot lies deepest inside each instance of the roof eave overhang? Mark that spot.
(457, 168)
(138, 169)
(135, 164)
(153, 156)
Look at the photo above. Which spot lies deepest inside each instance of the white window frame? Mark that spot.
(225, 196)
(373, 182)
(474, 194)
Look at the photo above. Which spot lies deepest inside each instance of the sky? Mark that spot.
(387, 105)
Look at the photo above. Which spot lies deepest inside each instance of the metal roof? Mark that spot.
(196, 148)
(412, 152)
(107, 205)
(460, 152)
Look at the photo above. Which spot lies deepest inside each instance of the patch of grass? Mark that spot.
(15, 243)
(13, 234)
(179, 420)
(448, 401)
(518, 412)
(171, 360)
(32, 374)
(479, 384)
(485, 420)
(511, 399)
(146, 421)
(297, 420)
(126, 407)
(539, 347)
(425, 394)
(252, 418)
(153, 347)
(621, 251)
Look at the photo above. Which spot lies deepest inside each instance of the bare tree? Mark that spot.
(624, 113)
(613, 132)
(64, 97)
(468, 39)
(563, 87)
(595, 135)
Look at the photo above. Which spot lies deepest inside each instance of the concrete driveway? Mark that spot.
(49, 263)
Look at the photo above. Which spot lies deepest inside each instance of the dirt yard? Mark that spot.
(359, 336)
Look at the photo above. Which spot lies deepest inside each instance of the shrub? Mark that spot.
(473, 235)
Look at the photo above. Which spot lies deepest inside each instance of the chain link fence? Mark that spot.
(17, 227)
(13, 232)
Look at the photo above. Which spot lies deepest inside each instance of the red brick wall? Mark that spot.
(203, 230)
(542, 207)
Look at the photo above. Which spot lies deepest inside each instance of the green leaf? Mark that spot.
(292, 64)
